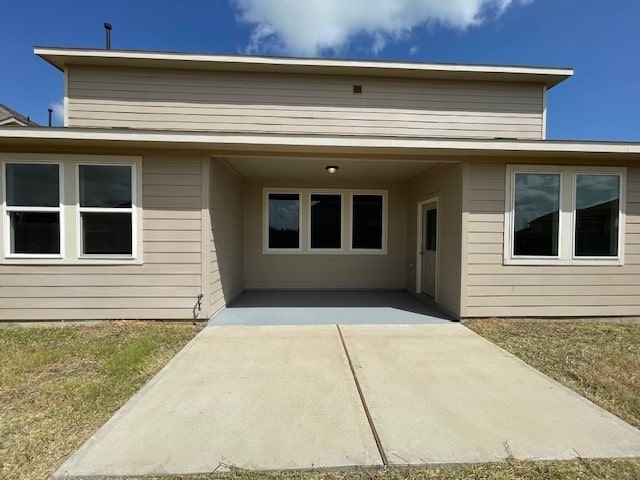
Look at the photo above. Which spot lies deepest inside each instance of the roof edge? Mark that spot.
(60, 57)
(188, 139)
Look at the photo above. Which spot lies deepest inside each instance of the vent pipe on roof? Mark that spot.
(107, 29)
(50, 113)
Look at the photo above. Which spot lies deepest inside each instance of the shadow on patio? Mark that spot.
(320, 307)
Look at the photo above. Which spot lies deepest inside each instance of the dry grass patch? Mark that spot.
(59, 384)
(599, 360)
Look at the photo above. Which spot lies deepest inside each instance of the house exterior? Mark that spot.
(179, 180)
(11, 118)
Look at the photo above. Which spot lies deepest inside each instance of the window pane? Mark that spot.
(106, 233)
(326, 221)
(536, 214)
(597, 215)
(107, 186)
(432, 217)
(33, 185)
(35, 232)
(284, 220)
(367, 222)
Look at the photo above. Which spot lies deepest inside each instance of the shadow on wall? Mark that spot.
(226, 193)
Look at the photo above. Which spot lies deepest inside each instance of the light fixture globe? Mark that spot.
(331, 169)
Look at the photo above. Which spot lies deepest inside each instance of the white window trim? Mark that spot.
(6, 209)
(265, 220)
(69, 246)
(369, 251)
(305, 221)
(342, 218)
(132, 210)
(566, 226)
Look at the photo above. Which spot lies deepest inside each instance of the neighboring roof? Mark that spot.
(8, 116)
(234, 143)
(62, 57)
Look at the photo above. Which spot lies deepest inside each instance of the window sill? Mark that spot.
(59, 261)
(587, 262)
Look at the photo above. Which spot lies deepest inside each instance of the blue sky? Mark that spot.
(599, 39)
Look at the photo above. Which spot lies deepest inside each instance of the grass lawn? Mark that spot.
(58, 385)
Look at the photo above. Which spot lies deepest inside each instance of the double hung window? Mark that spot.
(33, 210)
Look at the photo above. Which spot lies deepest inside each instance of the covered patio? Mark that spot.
(329, 307)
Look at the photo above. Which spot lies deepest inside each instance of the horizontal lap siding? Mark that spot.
(303, 271)
(278, 103)
(164, 287)
(445, 183)
(495, 289)
(227, 231)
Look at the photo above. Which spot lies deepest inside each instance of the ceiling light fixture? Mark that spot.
(331, 169)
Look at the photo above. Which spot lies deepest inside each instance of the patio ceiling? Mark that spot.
(301, 168)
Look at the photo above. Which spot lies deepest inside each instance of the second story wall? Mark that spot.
(300, 104)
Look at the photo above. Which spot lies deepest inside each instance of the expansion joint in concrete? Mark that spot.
(383, 455)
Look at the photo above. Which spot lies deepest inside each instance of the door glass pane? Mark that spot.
(367, 222)
(106, 233)
(431, 221)
(326, 221)
(284, 220)
(34, 232)
(597, 215)
(32, 185)
(536, 214)
(107, 186)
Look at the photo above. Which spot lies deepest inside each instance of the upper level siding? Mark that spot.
(301, 104)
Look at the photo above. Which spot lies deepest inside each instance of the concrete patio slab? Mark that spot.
(328, 307)
(248, 397)
(443, 394)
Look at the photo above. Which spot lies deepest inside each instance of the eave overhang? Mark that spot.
(262, 144)
(64, 57)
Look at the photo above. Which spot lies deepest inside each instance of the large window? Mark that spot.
(326, 221)
(366, 222)
(105, 194)
(564, 215)
(66, 209)
(32, 209)
(284, 221)
(315, 221)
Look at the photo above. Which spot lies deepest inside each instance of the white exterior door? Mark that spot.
(428, 249)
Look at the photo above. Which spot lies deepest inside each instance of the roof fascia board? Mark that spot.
(61, 57)
(53, 136)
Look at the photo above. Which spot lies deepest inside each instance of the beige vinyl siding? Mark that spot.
(164, 287)
(227, 232)
(445, 182)
(325, 271)
(284, 103)
(495, 289)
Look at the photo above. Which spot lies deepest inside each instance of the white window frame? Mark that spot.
(566, 226)
(69, 216)
(265, 220)
(369, 251)
(6, 210)
(132, 210)
(305, 221)
(327, 250)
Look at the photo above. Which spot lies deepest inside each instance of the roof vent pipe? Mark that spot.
(107, 31)
(50, 110)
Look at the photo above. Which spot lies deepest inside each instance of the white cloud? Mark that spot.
(58, 111)
(311, 27)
